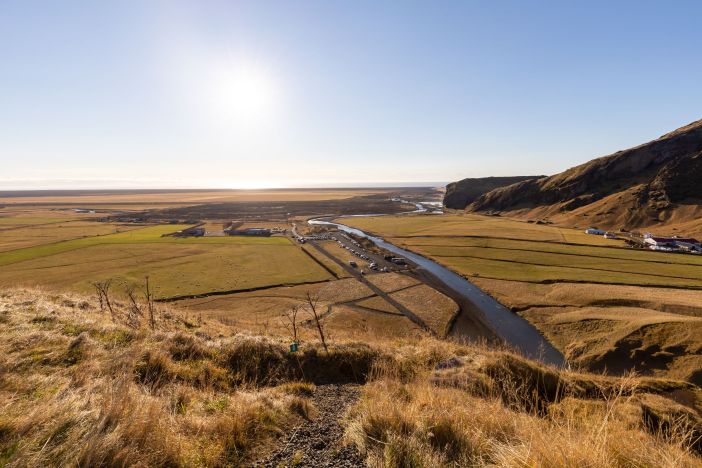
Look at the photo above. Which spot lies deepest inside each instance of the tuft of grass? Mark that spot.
(520, 414)
(305, 389)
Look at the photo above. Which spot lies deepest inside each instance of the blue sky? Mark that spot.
(249, 94)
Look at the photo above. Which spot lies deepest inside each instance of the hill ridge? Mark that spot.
(651, 184)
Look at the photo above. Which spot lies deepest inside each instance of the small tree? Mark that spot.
(312, 301)
(103, 290)
(150, 304)
(291, 325)
(134, 308)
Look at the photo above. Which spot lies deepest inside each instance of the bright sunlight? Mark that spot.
(246, 94)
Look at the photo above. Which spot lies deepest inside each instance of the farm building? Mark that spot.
(670, 244)
(248, 232)
(595, 231)
(191, 232)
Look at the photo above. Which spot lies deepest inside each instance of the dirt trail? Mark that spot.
(318, 443)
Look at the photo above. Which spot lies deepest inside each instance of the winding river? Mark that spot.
(516, 332)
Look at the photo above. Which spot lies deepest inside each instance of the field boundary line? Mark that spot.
(560, 253)
(318, 262)
(570, 267)
(235, 291)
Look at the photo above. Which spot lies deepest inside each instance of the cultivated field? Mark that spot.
(176, 266)
(605, 306)
(264, 311)
(473, 225)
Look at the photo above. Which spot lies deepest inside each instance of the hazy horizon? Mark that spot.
(220, 94)
(135, 186)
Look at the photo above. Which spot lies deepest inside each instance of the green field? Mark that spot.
(474, 225)
(22, 236)
(510, 250)
(176, 266)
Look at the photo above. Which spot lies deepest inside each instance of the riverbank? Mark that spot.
(481, 316)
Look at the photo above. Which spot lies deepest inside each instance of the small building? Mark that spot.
(669, 244)
(191, 232)
(261, 232)
(689, 247)
(594, 231)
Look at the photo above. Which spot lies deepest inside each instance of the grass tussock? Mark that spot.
(79, 388)
(485, 408)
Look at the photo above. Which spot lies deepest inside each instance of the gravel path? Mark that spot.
(317, 443)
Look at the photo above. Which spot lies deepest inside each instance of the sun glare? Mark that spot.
(246, 94)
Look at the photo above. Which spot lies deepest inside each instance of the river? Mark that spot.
(516, 332)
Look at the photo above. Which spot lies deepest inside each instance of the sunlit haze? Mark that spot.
(259, 94)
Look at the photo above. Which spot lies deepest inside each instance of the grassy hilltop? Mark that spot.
(83, 387)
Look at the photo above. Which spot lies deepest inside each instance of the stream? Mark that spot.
(516, 331)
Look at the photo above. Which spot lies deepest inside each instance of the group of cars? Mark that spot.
(302, 239)
(360, 253)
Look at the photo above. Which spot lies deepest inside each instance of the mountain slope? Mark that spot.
(464, 192)
(652, 184)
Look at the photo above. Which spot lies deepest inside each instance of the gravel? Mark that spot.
(317, 443)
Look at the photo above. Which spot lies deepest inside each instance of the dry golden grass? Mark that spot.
(21, 237)
(349, 323)
(473, 225)
(80, 388)
(436, 310)
(379, 303)
(330, 264)
(494, 409)
(389, 282)
(521, 295)
(576, 295)
(264, 312)
(655, 331)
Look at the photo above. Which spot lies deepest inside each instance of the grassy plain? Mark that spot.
(176, 266)
(330, 264)
(511, 250)
(378, 303)
(150, 197)
(434, 308)
(264, 311)
(56, 232)
(603, 305)
(473, 225)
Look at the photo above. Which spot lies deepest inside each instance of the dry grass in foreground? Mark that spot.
(81, 388)
(483, 408)
(78, 388)
(655, 331)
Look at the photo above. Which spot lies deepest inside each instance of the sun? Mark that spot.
(246, 94)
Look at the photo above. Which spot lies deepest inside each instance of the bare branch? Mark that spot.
(312, 300)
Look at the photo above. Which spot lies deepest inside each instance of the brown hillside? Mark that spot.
(464, 192)
(654, 184)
